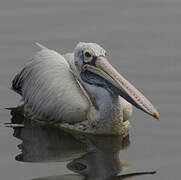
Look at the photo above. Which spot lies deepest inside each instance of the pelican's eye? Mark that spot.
(88, 55)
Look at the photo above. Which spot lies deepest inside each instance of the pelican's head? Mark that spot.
(95, 69)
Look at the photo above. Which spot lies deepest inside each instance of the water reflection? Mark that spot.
(90, 157)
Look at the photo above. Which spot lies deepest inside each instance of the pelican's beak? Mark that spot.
(125, 89)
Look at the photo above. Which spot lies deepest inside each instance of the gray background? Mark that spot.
(143, 40)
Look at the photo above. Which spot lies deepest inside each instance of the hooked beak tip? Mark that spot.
(156, 115)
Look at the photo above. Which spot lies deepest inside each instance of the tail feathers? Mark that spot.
(17, 84)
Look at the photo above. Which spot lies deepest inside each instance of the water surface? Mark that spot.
(143, 41)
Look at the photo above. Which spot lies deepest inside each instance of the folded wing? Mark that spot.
(50, 88)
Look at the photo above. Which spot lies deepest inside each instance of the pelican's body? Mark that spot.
(70, 91)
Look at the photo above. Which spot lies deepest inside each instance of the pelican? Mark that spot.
(79, 91)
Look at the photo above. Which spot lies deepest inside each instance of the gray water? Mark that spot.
(143, 40)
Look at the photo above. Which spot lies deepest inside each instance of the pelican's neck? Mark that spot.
(109, 114)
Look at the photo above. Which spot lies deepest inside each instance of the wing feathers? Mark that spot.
(41, 46)
(49, 88)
